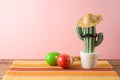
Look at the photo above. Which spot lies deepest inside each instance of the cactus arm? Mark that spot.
(79, 32)
(99, 39)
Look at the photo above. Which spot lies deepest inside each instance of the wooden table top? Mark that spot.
(5, 64)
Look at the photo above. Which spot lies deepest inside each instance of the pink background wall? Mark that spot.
(31, 28)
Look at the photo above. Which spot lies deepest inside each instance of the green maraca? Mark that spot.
(51, 58)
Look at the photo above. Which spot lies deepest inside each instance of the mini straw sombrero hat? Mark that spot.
(89, 20)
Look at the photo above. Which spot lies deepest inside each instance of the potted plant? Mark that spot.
(86, 31)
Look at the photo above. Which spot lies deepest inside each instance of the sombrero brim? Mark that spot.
(91, 22)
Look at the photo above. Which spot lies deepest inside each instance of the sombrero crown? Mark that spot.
(89, 20)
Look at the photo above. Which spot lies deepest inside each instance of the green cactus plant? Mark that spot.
(90, 37)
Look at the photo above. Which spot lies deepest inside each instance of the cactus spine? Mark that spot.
(90, 37)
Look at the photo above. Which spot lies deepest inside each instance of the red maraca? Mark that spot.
(64, 61)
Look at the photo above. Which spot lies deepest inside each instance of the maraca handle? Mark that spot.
(76, 58)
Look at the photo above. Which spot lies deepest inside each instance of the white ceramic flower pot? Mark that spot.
(88, 60)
